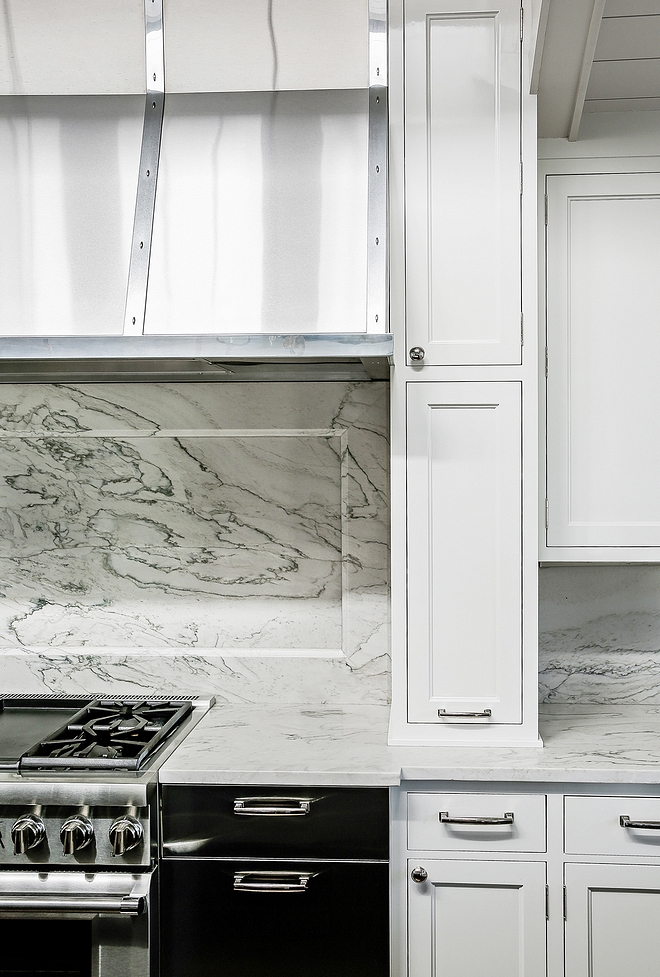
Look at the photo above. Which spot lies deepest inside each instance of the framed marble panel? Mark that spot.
(225, 537)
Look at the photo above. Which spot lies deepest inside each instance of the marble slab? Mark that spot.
(347, 745)
(226, 538)
(599, 634)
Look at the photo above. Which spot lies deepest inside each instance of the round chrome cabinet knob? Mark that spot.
(419, 875)
(125, 834)
(417, 354)
(76, 833)
(27, 832)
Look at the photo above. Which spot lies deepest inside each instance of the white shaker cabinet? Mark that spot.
(463, 180)
(603, 348)
(464, 387)
(464, 550)
(476, 917)
(612, 914)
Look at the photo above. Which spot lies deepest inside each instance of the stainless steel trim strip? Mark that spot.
(28, 793)
(145, 202)
(377, 304)
(18, 350)
(377, 292)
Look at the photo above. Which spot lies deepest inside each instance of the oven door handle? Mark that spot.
(128, 905)
(59, 894)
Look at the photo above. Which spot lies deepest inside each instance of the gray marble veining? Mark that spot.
(228, 537)
(599, 634)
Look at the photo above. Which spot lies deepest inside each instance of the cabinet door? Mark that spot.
(612, 914)
(474, 918)
(463, 180)
(464, 551)
(603, 396)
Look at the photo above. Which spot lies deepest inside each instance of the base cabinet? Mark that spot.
(538, 881)
(612, 915)
(477, 917)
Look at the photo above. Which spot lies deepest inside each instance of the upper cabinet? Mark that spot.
(603, 346)
(463, 181)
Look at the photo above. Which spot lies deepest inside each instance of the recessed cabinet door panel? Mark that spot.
(612, 914)
(464, 549)
(477, 918)
(603, 395)
(462, 131)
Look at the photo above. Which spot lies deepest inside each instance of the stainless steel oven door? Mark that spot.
(92, 925)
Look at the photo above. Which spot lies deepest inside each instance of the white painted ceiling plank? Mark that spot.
(621, 105)
(625, 79)
(631, 8)
(626, 38)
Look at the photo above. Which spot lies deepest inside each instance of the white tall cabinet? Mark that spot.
(464, 428)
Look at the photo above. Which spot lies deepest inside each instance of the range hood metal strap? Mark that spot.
(145, 201)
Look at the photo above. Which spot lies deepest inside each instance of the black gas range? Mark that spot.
(79, 828)
(81, 734)
(78, 775)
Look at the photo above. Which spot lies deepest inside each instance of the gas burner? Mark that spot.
(108, 734)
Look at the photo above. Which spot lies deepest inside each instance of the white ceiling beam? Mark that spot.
(585, 69)
(541, 10)
(568, 47)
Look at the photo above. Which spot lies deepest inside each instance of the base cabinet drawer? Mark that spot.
(476, 822)
(474, 918)
(612, 825)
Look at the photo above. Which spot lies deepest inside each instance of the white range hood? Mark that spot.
(190, 184)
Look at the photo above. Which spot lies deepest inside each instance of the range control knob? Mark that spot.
(27, 832)
(77, 832)
(126, 833)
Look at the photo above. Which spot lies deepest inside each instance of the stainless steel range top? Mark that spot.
(78, 778)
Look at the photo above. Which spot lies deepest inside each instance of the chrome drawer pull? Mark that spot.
(507, 818)
(625, 822)
(257, 807)
(484, 714)
(272, 881)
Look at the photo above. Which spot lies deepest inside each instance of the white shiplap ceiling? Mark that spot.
(595, 56)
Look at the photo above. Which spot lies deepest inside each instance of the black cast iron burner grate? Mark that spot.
(108, 734)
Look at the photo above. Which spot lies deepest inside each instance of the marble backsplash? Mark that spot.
(599, 638)
(206, 537)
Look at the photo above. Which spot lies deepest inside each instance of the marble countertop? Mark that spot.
(347, 746)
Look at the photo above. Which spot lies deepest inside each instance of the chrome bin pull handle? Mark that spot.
(272, 882)
(484, 714)
(507, 818)
(625, 822)
(258, 807)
